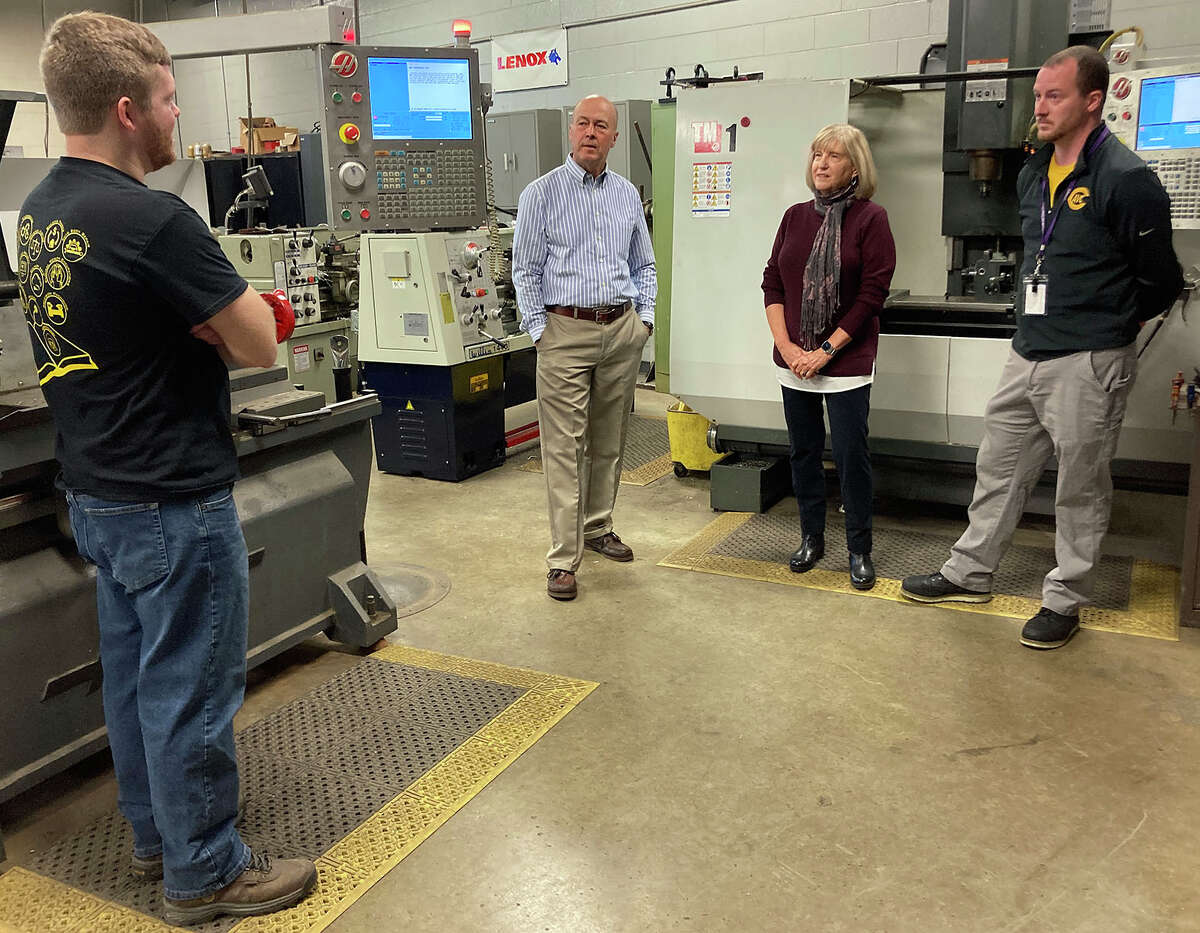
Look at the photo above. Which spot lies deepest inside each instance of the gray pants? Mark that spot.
(1071, 407)
(586, 376)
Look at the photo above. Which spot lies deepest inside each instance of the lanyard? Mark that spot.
(1048, 231)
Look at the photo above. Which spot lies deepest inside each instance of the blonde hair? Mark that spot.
(90, 61)
(852, 141)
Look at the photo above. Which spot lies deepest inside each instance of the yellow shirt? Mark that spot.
(1057, 174)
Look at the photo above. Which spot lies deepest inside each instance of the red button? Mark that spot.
(364, 214)
(480, 292)
(1127, 115)
(311, 279)
(356, 97)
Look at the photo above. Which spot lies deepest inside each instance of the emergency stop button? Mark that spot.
(349, 133)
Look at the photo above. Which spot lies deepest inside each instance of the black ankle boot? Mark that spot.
(811, 550)
(862, 571)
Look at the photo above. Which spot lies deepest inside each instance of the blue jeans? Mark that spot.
(172, 591)
(848, 413)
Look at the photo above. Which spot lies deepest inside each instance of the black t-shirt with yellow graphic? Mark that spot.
(113, 276)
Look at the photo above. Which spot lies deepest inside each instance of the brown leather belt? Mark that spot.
(605, 314)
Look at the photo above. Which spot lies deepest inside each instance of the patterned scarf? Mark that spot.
(823, 271)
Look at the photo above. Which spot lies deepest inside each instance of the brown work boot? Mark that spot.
(610, 546)
(267, 885)
(560, 584)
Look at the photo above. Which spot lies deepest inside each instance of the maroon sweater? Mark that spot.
(868, 261)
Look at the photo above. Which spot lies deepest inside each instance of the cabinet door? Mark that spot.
(499, 145)
(522, 153)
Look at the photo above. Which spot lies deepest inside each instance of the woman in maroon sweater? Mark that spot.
(824, 287)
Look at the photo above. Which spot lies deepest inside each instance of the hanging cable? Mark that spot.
(497, 265)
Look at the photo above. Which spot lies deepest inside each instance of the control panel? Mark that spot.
(402, 138)
(268, 261)
(428, 298)
(1156, 113)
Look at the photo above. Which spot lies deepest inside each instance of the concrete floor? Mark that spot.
(763, 757)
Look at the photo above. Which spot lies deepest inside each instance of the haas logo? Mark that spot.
(344, 64)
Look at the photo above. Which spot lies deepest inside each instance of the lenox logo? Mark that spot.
(528, 60)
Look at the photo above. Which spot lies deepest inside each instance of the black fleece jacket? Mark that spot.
(1110, 260)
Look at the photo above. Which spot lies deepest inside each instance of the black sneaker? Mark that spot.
(934, 588)
(1049, 629)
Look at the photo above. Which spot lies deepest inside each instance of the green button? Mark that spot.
(337, 97)
(345, 215)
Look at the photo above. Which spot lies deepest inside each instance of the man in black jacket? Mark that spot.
(1098, 263)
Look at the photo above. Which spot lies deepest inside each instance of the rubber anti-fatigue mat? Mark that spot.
(647, 453)
(354, 775)
(1134, 597)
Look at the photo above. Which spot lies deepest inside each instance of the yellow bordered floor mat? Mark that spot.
(1149, 608)
(489, 713)
(647, 453)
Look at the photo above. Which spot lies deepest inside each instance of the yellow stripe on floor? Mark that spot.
(1152, 612)
(33, 903)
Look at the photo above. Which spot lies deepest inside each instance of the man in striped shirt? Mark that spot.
(584, 273)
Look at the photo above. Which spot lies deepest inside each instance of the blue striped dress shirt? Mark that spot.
(581, 241)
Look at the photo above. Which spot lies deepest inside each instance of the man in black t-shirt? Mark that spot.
(133, 313)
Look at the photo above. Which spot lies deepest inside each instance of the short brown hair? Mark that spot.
(90, 61)
(1093, 68)
(852, 140)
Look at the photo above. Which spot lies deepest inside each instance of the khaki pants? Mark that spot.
(586, 374)
(1071, 407)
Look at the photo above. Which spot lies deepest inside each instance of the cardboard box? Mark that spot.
(267, 131)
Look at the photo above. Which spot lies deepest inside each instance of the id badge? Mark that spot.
(1035, 294)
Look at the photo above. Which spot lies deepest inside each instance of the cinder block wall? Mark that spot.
(619, 48)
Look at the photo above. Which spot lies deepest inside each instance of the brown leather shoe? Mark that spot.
(610, 546)
(267, 885)
(560, 584)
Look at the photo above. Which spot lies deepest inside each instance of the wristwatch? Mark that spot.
(829, 348)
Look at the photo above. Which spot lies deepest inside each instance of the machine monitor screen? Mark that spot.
(420, 98)
(1169, 113)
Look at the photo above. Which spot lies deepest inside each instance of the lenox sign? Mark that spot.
(530, 59)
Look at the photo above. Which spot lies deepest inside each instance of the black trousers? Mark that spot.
(848, 434)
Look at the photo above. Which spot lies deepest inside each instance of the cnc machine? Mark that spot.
(407, 171)
(947, 162)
